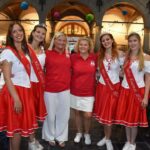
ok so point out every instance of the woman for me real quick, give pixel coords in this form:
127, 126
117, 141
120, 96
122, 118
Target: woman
16, 100
57, 91
107, 90
36, 45
83, 79
131, 110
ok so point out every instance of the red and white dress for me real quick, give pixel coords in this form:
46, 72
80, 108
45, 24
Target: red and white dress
107, 91
24, 122
37, 87
83, 80
129, 111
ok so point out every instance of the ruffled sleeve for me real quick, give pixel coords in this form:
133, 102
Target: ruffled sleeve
147, 66
7, 55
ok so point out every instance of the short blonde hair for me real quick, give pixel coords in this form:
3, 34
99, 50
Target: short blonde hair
57, 34
90, 42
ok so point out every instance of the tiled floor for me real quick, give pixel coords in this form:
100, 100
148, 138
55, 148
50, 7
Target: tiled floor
118, 138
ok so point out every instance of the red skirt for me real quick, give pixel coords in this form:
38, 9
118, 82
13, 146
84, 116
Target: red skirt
39, 103
105, 104
129, 111
12, 122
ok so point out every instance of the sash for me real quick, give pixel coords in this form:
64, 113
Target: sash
108, 82
37, 67
23, 60
131, 81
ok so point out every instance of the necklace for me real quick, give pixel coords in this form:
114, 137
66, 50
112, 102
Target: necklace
108, 58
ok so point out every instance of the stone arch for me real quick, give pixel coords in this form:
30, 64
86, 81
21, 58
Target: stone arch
136, 5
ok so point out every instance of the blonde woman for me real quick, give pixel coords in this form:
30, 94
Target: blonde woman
131, 111
83, 79
57, 91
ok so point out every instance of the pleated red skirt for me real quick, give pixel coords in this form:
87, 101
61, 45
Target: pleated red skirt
39, 103
12, 122
105, 104
129, 110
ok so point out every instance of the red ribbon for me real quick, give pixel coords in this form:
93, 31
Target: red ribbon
108, 81
21, 56
37, 67
131, 81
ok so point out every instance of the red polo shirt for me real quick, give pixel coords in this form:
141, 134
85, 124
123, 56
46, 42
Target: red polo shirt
83, 78
58, 71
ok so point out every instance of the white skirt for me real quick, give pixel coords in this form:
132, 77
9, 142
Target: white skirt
82, 103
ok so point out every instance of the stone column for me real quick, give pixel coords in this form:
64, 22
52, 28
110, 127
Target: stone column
146, 43
97, 35
52, 23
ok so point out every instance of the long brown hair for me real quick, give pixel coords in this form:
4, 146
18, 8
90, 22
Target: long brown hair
103, 50
10, 41
30, 39
140, 54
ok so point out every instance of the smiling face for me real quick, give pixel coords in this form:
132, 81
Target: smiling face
106, 41
84, 47
134, 43
39, 34
17, 34
60, 43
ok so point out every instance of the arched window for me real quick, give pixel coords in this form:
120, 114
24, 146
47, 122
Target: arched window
73, 29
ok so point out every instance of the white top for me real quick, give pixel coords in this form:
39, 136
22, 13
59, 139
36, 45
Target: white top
41, 58
114, 70
2, 82
138, 75
19, 74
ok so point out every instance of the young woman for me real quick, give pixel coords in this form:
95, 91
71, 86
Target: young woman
37, 53
107, 91
131, 110
16, 100
57, 91
83, 79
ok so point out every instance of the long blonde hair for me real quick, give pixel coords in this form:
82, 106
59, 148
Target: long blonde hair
90, 42
140, 54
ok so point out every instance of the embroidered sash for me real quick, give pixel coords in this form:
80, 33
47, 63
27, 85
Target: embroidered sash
23, 60
37, 67
131, 81
108, 81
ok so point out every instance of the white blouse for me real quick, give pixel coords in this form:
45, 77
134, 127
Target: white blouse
138, 75
19, 74
41, 58
2, 82
113, 71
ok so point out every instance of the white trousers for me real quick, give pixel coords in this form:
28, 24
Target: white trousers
55, 126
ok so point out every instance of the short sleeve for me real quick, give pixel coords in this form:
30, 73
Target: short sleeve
147, 66
7, 55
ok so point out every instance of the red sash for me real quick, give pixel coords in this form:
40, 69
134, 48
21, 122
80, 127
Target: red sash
108, 81
37, 67
131, 81
23, 59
